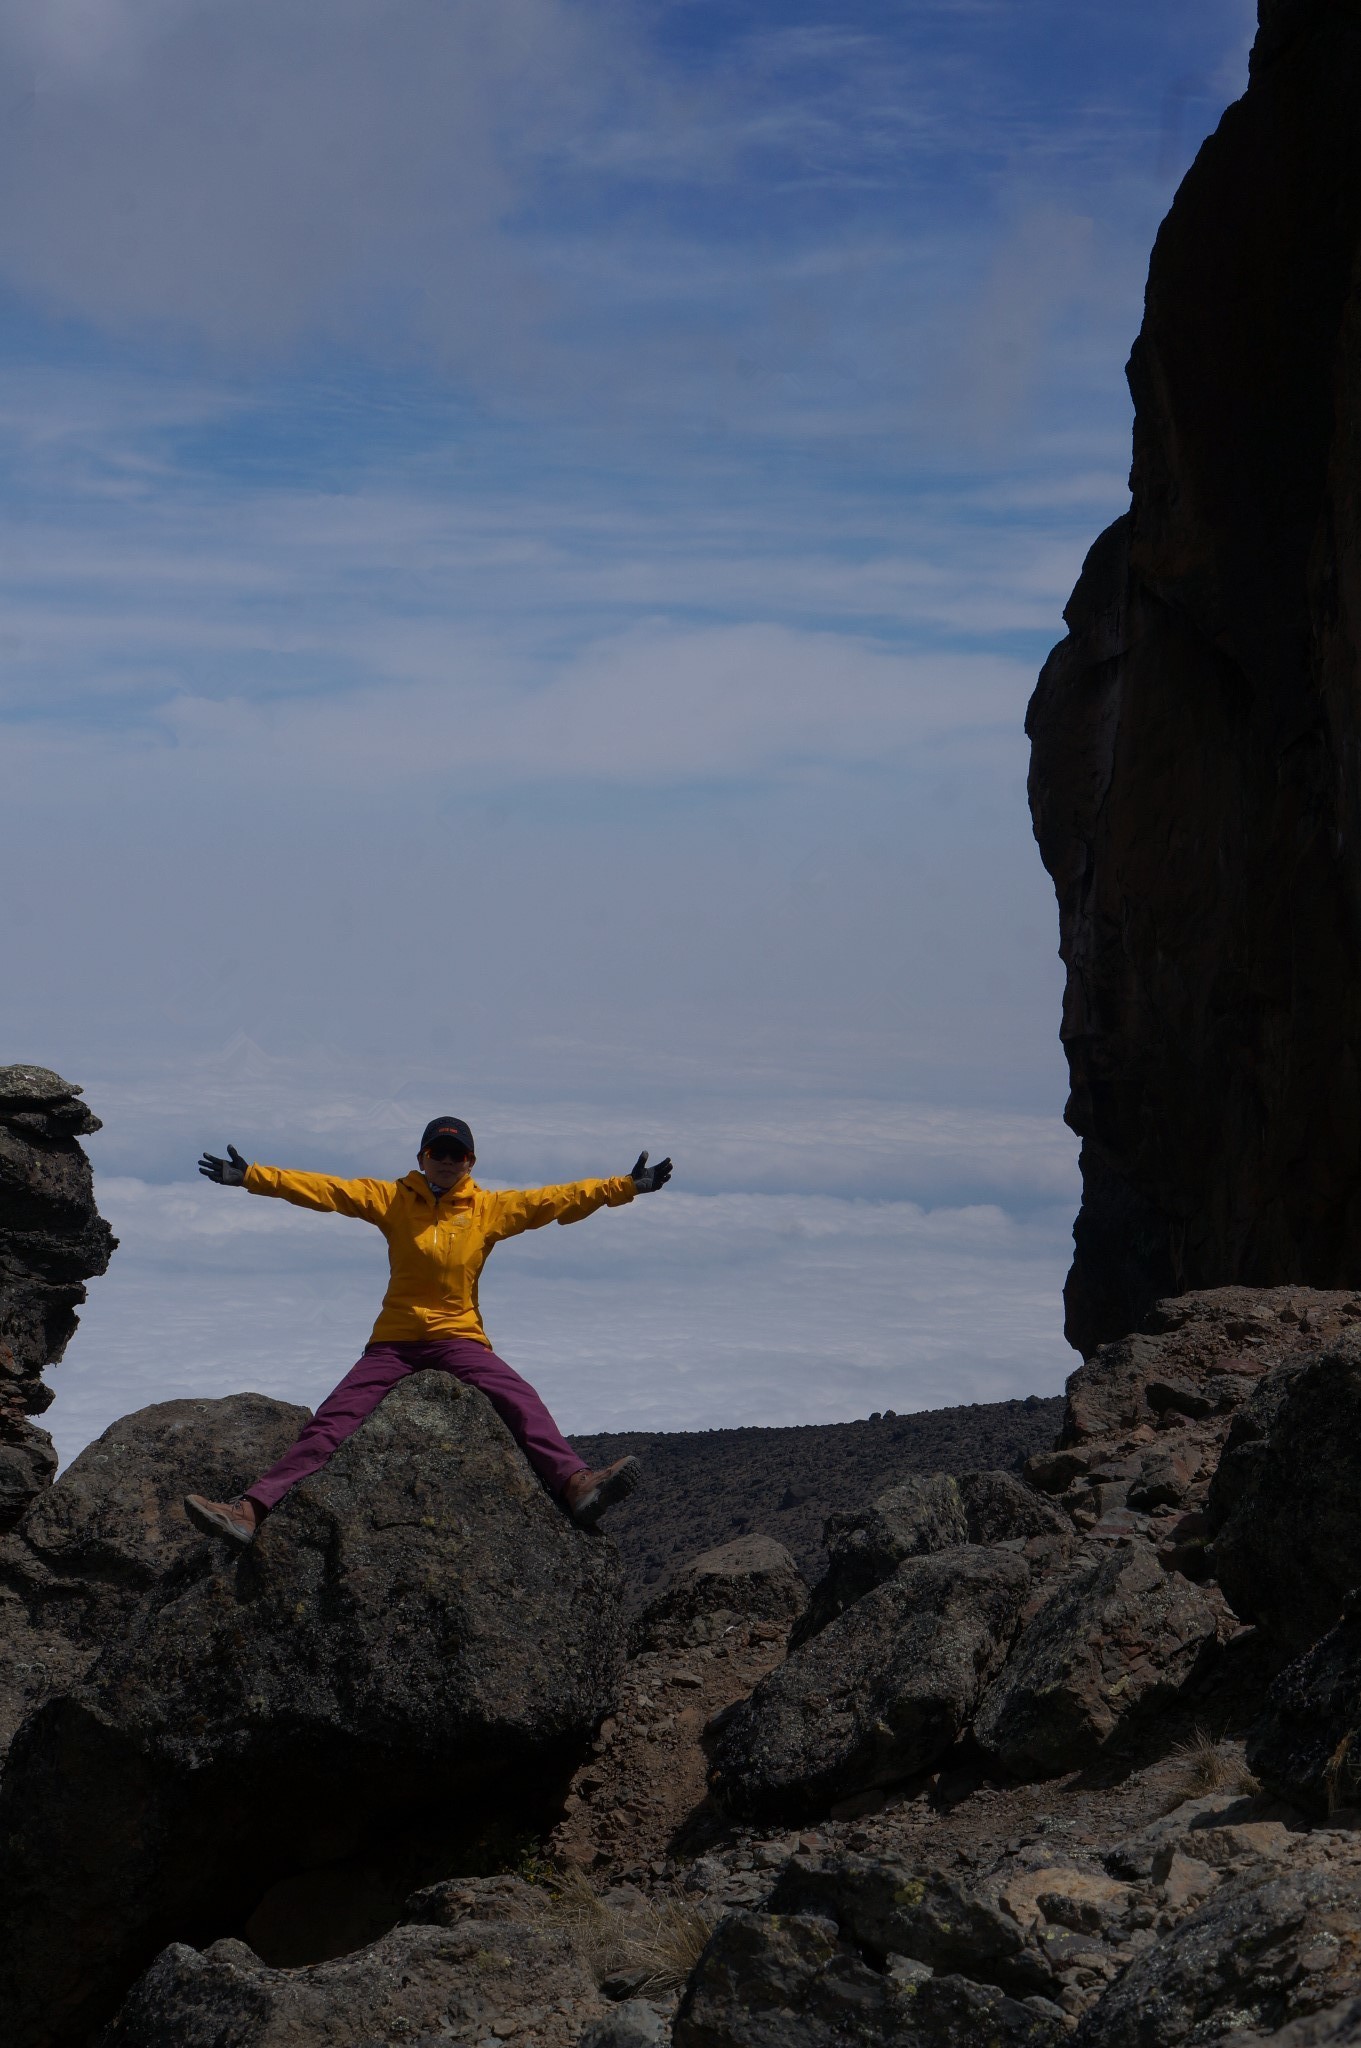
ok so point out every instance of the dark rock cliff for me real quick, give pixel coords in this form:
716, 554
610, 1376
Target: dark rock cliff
1197, 736
52, 1239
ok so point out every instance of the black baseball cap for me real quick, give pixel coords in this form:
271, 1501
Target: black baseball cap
451, 1127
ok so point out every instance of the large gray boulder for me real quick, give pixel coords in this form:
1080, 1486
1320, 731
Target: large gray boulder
91, 1546
1267, 1949
1287, 1499
753, 1578
419, 1643
887, 1906
882, 1692
1113, 1640
462, 1985
915, 1516
788, 1981
923, 1514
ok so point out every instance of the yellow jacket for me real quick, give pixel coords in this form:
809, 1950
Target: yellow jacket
436, 1250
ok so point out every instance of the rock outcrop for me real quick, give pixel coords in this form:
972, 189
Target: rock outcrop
1285, 1505
94, 1544
52, 1240
1193, 778
1306, 1745
753, 1578
413, 1656
881, 1692
1115, 1640
463, 1985
1267, 1949
789, 1981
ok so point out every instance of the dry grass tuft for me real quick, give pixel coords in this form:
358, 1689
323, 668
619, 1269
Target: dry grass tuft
659, 1942
1201, 1764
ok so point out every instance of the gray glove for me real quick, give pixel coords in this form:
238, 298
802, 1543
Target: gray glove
229, 1172
647, 1179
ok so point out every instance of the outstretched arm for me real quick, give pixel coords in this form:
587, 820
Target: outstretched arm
530, 1208
370, 1200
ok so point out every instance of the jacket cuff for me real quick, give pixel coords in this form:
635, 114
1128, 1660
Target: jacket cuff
620, 1190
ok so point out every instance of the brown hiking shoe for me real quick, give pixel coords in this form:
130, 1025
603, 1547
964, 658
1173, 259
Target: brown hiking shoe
587, 1494
237, 1520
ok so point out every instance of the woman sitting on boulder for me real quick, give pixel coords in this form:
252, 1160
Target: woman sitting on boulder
439, 1227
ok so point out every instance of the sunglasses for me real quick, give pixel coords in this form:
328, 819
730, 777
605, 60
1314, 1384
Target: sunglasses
445, 1148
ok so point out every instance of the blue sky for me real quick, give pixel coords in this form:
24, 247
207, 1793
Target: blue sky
526, 536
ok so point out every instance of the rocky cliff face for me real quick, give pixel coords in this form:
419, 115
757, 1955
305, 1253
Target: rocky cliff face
52, 1239
1197, 736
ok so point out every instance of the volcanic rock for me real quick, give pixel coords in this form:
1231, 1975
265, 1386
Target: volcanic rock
52, 1239
461, 1984
753, 1578
1114, 1639
93, 1544
1266, 1949
916, 1516
706, 1486
418, 1642
1193, 784
787, 1981
882, 1692
1288, 1500
885, 1906
1306, 1747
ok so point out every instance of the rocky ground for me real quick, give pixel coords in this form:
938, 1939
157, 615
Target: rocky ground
706, 1486
1060, 1754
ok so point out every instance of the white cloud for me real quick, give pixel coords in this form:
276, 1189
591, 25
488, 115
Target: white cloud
681, 1312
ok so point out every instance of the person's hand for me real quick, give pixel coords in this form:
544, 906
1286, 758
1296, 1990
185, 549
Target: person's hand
229, 1172
647, 1179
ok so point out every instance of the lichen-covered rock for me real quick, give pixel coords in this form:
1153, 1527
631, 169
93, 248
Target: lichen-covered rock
786, 1981
462, 1985
52, 1240
1306, 1744
1113, 1639
1000, 1508
753, 1578
883, 1691
885, 1906
1287, 1546
418, 1642
1199, 1355
1266, 1949
918, 1515
1338, 2027
91, 1546
1193, 783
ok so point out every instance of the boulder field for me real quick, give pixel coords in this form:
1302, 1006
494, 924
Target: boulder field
1045, 1755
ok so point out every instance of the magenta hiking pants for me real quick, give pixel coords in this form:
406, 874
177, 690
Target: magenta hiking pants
378, 1372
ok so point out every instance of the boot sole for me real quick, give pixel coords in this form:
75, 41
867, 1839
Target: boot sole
617, 1487
216, 1525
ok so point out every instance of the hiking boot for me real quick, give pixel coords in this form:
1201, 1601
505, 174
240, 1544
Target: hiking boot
587, 1494
237, 1520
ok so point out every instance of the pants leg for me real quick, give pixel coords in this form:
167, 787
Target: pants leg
517, 1404
339, 1416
